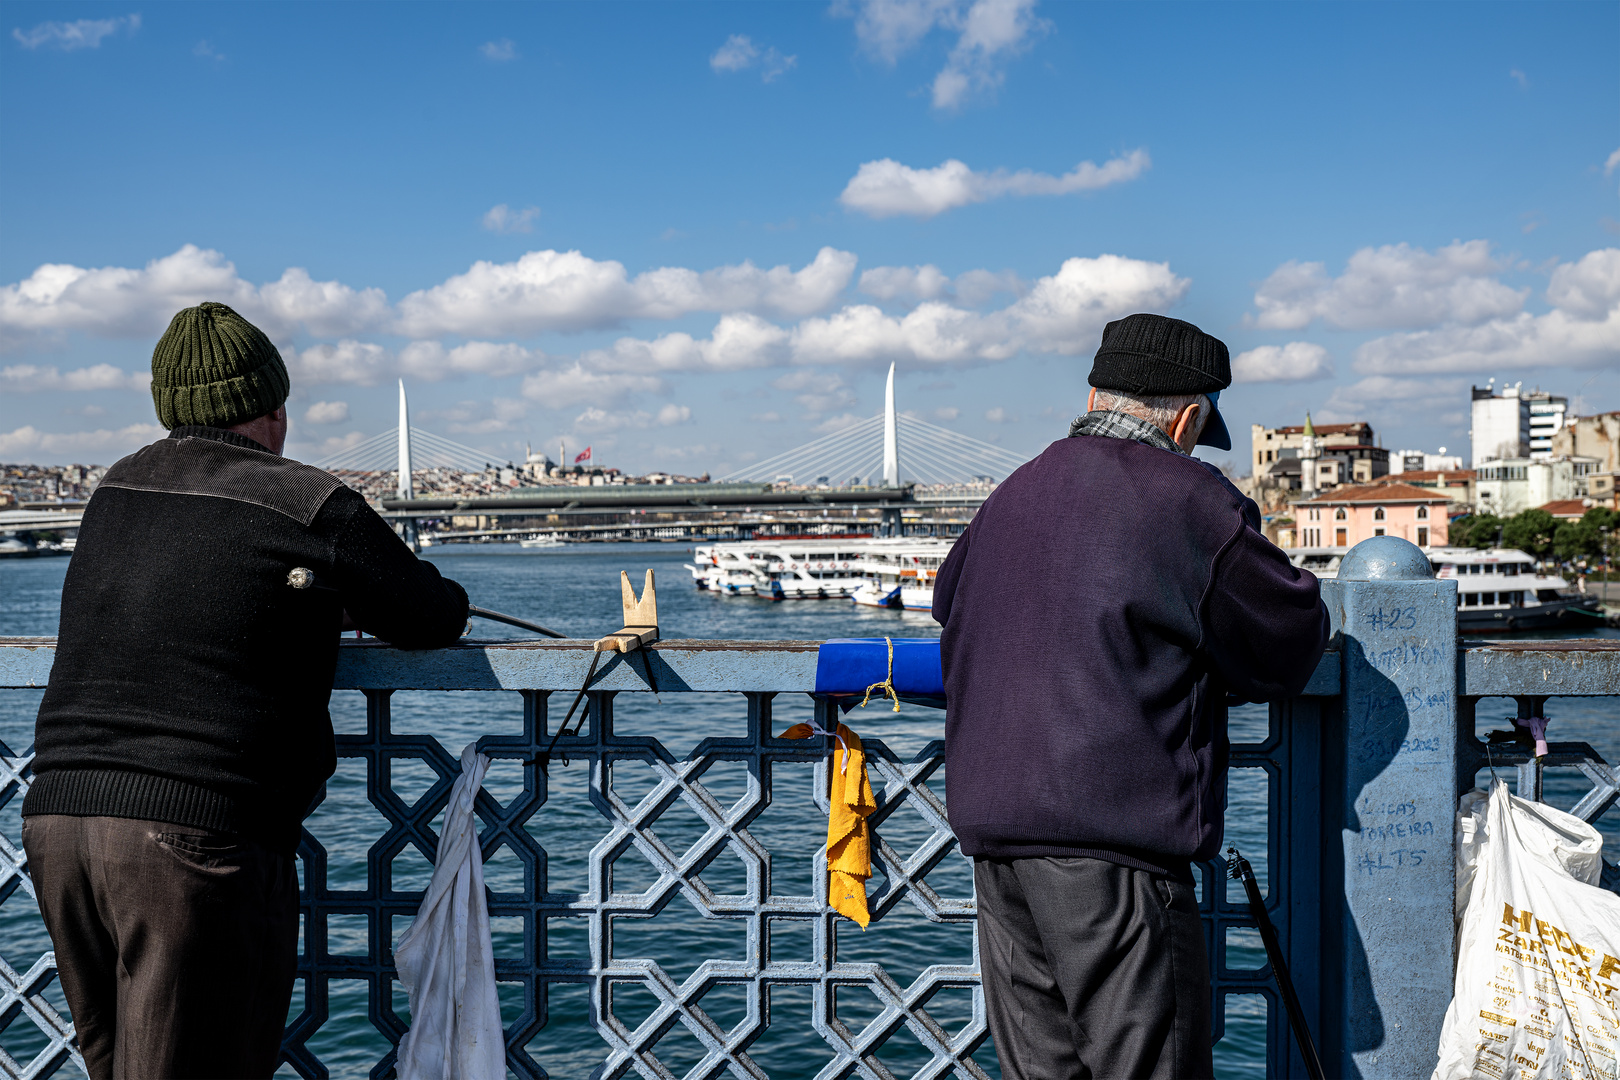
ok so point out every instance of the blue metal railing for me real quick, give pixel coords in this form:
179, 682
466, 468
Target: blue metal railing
1362, 776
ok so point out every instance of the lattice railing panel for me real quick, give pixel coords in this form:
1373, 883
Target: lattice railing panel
675, 874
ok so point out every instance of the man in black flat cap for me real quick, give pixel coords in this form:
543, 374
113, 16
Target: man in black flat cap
1097, 612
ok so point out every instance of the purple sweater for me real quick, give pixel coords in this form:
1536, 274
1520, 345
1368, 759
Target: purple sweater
1101, 605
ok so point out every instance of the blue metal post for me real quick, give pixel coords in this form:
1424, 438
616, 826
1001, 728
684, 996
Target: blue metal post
1391, 795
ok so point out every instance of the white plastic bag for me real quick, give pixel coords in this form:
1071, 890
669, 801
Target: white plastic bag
445, 959
1538, 960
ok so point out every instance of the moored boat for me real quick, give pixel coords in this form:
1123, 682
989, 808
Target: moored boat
1501, 590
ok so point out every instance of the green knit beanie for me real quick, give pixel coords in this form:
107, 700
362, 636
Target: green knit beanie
214, 368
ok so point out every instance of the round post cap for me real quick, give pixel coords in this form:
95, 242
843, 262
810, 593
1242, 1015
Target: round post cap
1385, 558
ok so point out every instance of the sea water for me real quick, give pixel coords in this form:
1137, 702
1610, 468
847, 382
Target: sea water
575, 590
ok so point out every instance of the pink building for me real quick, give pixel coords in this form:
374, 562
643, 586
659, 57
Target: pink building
1344, 517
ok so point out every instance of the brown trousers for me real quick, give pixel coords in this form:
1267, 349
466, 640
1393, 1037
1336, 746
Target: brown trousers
176, 946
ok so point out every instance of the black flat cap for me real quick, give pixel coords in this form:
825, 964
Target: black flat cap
1145, 355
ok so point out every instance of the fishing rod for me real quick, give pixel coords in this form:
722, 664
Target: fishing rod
1240, 870
302, 577
512, 620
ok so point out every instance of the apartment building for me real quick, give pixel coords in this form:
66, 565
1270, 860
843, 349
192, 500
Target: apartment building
1346, 453
1515, 484
1596, 437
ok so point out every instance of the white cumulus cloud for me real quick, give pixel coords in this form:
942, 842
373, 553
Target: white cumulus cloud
739, 53
1395, 286
566, 290
886, 188
595, 421
737, 343
818, 390
1296, 361
26, 378
1061, 313
1433, 403
358, 363
992, 32
561, 387
102, 446
79, 34
327, 412
989, 33
115, 301
1582, 329
499, 51
910, 284
503, 219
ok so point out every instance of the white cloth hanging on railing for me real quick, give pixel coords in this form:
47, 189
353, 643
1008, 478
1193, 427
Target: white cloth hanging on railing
444, 958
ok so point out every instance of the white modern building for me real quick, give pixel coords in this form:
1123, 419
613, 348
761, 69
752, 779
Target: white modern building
1510, 485
1547, 414
1500, 427
1515, 423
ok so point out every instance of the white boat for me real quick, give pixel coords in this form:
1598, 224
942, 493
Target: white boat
549, 540
777, 568
902, 575
1502, 589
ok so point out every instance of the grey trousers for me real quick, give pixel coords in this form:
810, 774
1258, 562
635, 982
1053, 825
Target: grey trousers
1092, 970
176, 946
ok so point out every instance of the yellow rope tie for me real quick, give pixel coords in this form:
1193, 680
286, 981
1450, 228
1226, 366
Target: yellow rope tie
887, 685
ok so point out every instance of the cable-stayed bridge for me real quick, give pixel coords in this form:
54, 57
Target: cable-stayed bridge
380, 453
887, 450
872, 472
924, 453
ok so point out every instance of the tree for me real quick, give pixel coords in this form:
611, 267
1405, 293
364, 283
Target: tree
1531, 531
1585, 537
1572, 541
1476, 531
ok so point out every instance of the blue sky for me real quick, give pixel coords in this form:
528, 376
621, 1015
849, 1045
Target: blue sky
696, 235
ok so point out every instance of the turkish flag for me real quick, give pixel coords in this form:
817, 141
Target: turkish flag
585, 456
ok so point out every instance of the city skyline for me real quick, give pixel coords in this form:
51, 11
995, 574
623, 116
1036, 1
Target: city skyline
696, 237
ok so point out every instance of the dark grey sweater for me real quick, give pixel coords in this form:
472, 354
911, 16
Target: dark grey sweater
191, 680
1097, 611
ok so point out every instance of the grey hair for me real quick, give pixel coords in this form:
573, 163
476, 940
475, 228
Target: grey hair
1160, 410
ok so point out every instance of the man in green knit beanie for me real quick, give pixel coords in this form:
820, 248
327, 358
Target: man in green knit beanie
184, 734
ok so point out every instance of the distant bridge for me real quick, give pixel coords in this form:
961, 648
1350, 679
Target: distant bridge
39, 520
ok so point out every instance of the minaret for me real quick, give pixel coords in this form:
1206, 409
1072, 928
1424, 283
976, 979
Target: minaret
405, 491
1308, 453
891, 443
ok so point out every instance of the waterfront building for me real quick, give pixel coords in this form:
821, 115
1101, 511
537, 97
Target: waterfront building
1512, 485
1457, 485
1345, 454
1597, 437
1344, 518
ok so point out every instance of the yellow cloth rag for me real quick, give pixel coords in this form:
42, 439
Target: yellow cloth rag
849, 840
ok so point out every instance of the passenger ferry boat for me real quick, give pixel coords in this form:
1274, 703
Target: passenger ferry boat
1500, 589
781, 568
895, 573
902, 576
